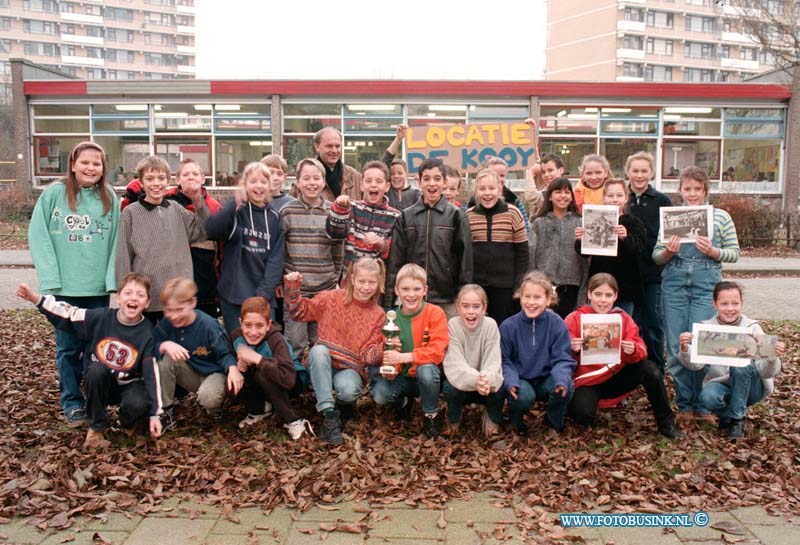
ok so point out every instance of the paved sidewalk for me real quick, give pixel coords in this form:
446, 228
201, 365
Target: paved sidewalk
479, 521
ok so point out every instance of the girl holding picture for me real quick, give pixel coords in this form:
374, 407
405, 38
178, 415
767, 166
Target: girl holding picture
728, 391
604, 385
688, 280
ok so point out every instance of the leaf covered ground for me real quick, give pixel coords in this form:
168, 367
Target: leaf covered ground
620, 464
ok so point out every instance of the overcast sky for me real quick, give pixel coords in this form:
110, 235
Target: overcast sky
412, 39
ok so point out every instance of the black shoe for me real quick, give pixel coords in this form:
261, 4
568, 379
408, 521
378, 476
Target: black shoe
332, 428
406, 412
77, 418
168, 420
522, 430
431, 426
736, 431
670, 430
347, 412
724, 424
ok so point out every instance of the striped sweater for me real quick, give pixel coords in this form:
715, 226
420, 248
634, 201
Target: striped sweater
350, 331
724, 235
309, 249
499, 245
154, 240
354, 222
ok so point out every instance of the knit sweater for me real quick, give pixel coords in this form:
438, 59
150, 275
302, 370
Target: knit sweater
724, 233
767, 369
472, 352
353, 222
309, 249
351, 331
154, 240
552, 249
534, 348
252, 250
424, 334
499, 245
73, 251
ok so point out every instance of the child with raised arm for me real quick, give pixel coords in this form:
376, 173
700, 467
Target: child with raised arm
252, 234
687, 285
728, 391
194, 352
309, 249
72, 238
499, 245
349, 324
119, 365
365, 226
271, 370
537, 359
632, 237
154, 218
605, 384
401, 194
552, 245
472, 364
413, 368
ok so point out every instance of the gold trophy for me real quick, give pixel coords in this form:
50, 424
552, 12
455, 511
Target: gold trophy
390, 330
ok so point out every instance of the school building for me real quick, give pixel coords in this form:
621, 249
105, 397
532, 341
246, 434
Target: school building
736, 131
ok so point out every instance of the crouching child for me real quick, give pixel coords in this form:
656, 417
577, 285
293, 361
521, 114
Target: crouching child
414, 367
270, 369
194, 352
119, 367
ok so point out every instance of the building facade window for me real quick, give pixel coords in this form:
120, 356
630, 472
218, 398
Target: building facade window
658, 46
632, 70
658, 73
634, 14
698, 50
32, 26
38, 48
660, 19
633, 42
46, 6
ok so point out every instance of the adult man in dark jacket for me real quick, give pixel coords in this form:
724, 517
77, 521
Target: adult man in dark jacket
435, 235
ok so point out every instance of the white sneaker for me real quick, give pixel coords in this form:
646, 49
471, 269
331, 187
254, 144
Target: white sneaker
252, 419
267, 408
299, 427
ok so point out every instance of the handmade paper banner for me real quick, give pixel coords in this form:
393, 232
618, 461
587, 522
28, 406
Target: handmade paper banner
466, 147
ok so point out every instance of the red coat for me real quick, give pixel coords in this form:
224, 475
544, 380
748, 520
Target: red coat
590, 375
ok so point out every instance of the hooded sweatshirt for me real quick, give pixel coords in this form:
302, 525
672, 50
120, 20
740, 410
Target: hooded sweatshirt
252, 250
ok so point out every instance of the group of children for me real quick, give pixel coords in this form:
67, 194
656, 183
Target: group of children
474, 291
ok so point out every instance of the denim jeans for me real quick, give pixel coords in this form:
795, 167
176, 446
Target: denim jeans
539, 390
730, 402
426, 385
456, 399
325, 379
69, 356
648, 317
686, 298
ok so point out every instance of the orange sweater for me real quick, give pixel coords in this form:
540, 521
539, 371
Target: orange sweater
426, 338
351, 331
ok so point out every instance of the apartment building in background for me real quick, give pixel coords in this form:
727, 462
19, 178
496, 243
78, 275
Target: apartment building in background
650, 40
100, 39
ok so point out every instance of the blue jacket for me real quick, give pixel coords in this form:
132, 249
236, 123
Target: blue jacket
535, 348
252, 251
207, 343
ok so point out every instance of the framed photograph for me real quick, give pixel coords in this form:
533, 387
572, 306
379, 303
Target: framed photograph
730, 345
688, 222
601, 335
599, 223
